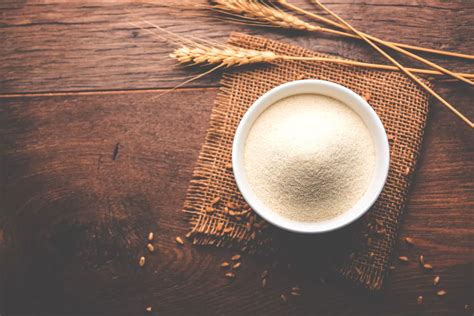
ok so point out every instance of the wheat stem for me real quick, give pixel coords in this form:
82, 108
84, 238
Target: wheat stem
400, 50
234, 56
393, 61
341, 26
373, 66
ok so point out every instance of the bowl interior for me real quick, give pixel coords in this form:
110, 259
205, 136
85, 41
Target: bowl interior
351, 99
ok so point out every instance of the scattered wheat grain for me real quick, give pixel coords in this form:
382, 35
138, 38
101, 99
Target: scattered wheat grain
150, 236
441, 293
407, 171
209, 209
235, 257
215, 200
150, 247
422, 260
232, 205
179, 241
366, 96
428, 266
225, 264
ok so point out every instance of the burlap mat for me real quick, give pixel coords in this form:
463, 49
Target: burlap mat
218, 214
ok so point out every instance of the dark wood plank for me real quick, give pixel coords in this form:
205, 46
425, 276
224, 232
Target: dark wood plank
75, 45
75, 215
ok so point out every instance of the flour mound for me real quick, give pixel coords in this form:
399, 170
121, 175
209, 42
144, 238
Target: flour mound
309, 157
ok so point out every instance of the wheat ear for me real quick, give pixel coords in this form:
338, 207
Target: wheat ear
227, 57
258, 12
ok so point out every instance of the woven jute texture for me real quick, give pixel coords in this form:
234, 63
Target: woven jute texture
219, 216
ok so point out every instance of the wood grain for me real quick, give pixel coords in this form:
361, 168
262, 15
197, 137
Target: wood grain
75, 219
84, 176
76, 45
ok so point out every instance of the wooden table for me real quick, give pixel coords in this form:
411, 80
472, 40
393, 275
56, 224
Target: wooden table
93, 156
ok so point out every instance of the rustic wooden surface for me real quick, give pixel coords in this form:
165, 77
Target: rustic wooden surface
93, 156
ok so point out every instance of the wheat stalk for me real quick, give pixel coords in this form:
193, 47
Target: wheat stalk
396, 63
394, 47
227, 56
231, 56
256, 11
322, 19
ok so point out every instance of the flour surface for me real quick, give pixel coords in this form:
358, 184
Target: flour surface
309, 157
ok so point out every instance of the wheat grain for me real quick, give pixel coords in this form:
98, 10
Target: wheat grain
427, 266
215, 200
230, 275
225, 264
150, 247
236, 257
179, 241
422, 260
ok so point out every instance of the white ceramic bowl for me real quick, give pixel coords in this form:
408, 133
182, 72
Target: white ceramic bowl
351, 99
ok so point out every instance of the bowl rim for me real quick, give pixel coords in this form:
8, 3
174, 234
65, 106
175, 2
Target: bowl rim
350, 98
